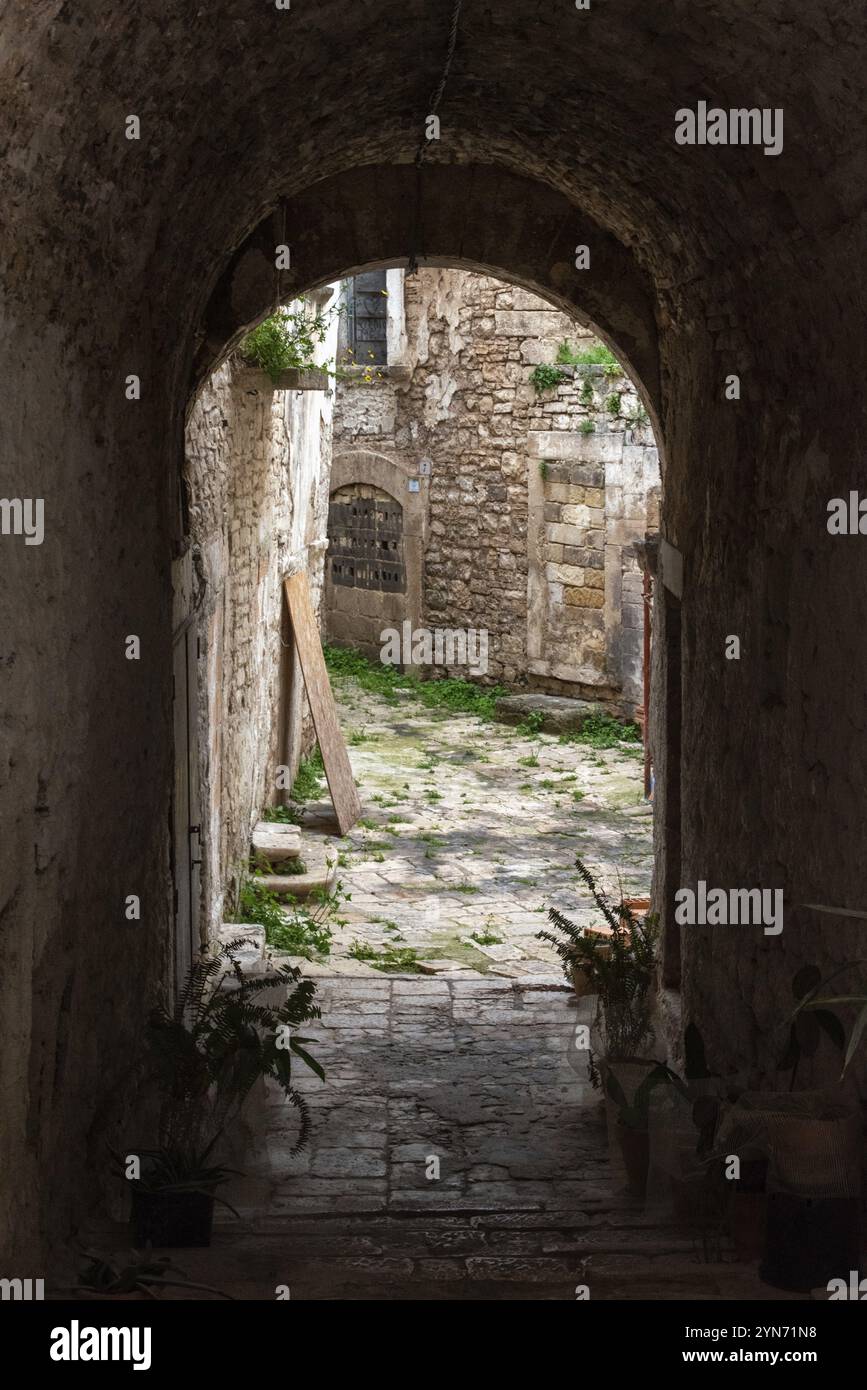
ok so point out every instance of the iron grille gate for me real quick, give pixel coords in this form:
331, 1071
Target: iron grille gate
368, 317
365, 544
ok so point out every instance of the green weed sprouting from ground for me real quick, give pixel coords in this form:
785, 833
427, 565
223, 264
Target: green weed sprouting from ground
290, 867
453, 696
391, 959
532, 761
283, 815
308, 779
299, 928
486, 938
531, 724
603, 731
359, 736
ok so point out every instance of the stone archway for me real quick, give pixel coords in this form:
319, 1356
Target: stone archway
144, 257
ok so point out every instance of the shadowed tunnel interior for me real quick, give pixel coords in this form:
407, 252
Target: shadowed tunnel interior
151, 256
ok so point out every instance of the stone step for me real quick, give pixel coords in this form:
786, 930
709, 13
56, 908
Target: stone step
300, 885
558, 714
250, 956
274, 843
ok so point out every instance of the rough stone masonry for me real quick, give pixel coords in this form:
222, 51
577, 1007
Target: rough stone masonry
151, 256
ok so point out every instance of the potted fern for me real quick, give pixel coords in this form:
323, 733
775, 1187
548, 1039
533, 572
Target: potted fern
620, 969
204, 1057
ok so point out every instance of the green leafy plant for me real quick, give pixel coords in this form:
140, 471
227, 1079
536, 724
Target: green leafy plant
289, 338
390, 960
257, 904
543, 469
204, 1057
486, 938
621, 967
140, 1274
603, 731
545, 377
597, 355
283, 815
445, 693
531, 725
634, 1114
587, 427
308, 779
585, 395
300, 927
812, 1016
613, 403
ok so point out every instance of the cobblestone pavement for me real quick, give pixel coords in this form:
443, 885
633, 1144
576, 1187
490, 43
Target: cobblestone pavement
476, 1075
470, 828
457, 1150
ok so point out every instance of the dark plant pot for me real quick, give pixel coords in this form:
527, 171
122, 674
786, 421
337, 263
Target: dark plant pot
749, 1210
172, 1219
635, 1148
809, 1240
748, 1216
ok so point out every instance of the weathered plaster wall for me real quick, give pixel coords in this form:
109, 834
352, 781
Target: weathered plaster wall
258, 464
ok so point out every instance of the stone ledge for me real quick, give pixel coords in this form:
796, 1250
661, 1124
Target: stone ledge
293, 379
559, 714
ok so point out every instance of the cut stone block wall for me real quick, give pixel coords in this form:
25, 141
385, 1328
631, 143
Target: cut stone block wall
529, 498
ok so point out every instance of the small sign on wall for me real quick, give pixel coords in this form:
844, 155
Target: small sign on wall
425, 467
414, 485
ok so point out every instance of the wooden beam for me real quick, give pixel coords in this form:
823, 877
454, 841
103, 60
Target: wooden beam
338, 771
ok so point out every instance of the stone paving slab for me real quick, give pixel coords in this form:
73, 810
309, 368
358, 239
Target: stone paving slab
524, 1206
470, 830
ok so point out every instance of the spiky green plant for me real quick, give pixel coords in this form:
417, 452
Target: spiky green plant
206, 1054
621, 967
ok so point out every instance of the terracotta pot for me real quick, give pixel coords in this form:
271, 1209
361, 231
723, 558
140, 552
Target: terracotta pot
581, 982
637, 906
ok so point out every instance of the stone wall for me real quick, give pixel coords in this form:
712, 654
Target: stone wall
257, 469
755, 267
530, 499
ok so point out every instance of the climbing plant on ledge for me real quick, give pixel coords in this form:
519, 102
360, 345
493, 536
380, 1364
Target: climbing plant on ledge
288, 339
